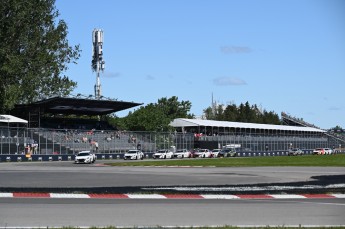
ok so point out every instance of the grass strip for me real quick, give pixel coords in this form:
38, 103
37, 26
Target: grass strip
307, 160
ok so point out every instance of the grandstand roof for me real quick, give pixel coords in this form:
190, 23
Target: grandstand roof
12, 119
67, 105
181, 122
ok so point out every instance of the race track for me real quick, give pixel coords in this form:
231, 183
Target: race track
66, 177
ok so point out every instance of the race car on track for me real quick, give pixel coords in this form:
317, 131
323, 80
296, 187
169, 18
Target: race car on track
133, 154
85, 157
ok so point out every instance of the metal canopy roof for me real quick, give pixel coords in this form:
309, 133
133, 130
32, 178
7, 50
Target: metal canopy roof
11, 119
182, 122
66, 105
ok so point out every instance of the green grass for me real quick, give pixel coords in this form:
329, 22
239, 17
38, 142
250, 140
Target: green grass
308, 160
220, 227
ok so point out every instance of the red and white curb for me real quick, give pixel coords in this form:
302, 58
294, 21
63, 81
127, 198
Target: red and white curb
167, 196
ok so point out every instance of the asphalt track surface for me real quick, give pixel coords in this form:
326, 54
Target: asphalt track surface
131, 213
66, 177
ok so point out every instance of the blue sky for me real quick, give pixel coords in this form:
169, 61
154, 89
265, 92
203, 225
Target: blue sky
286, 55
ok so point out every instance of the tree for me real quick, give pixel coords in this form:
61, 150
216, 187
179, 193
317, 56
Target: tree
231, 113
34, 52
242, 113
154, 116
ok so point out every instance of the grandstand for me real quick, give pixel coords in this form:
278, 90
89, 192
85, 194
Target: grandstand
65, 126
335, 140
258, 137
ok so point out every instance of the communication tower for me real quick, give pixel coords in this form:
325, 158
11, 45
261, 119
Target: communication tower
98, 64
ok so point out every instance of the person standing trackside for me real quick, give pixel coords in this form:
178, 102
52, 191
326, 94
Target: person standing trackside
96, 146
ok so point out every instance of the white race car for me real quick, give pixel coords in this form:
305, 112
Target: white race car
85, 157
133, 154
183, 153
204, 153
163, 154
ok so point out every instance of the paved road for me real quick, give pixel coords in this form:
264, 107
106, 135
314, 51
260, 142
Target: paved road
131, 213
66, 176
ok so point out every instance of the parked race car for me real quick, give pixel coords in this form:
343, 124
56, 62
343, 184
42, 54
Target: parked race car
295, 152
85, 157
133, 154
227, 152
323, 151
183, 153
204, 153
328, 151
163, 154
215, 153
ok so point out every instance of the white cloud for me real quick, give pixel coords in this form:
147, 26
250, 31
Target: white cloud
228, 81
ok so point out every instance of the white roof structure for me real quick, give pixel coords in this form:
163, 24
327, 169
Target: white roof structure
183, 122
11, 119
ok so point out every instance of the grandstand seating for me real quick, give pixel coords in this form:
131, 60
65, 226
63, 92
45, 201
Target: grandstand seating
293, 121
77, 140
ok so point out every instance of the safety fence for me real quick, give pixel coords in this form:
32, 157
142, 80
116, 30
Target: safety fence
63, 141
20, 141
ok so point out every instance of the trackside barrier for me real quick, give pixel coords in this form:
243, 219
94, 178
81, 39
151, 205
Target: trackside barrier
39, 158
69, 158
59, 158
103, 156
8, 159
110, 157
50, 158
118, 156
19, 159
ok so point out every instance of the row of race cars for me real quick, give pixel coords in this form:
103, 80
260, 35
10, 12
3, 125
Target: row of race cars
87, 157
135, 154
182, 153
317, 151
323, 151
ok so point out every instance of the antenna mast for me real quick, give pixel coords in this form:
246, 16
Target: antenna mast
98, 64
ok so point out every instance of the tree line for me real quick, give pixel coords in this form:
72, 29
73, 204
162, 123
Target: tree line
242, 113
157, 116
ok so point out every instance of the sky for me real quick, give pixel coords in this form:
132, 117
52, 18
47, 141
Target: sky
284, 56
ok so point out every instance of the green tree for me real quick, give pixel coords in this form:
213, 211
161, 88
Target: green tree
34, 52
231, 113
172, 108
242, 113
271, 118
154, 116
208, 113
